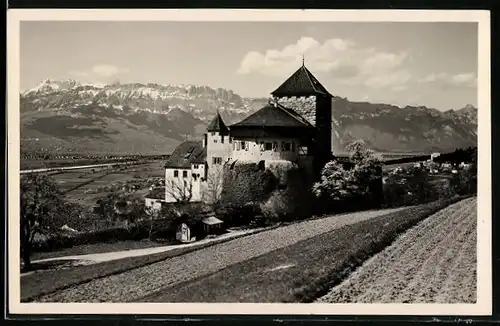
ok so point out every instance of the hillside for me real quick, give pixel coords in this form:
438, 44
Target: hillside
151, 118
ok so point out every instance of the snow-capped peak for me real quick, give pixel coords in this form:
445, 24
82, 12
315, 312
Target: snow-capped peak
50, 85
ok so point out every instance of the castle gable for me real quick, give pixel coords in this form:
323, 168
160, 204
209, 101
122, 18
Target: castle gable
274, 116
301, 83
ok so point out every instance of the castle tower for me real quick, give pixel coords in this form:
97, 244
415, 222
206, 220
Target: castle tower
303, 93
217, 142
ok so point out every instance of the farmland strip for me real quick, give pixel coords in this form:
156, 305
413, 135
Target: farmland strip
144, 280
300, 272
422, 265
422, 268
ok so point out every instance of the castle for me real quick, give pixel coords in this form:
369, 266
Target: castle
296, 126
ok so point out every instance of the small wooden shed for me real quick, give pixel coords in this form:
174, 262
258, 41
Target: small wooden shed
212, 225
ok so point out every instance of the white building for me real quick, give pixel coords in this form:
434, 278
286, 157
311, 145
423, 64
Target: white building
185, 172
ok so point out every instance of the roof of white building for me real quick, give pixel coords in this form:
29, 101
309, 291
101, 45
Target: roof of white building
211, 220
187, 153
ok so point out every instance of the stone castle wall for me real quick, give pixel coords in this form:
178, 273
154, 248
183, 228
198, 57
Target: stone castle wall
303, 105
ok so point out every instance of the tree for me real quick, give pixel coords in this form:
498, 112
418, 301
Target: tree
213, 189
336, 182
180, 190
127, 208
41, 205
356, 181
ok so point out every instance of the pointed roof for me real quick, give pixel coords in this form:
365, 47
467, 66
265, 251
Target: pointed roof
218, 124
274, 115
301, 83
187, 153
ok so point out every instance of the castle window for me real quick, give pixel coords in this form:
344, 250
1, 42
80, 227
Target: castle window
268, 146
184, 174
222, 139
213, 133
244, 146
262, 146
237, 145
195, 166
176, 173
215, 141
286, 146
275, 146
216, 160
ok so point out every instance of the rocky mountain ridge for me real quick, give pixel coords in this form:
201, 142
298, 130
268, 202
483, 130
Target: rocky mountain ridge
66, 115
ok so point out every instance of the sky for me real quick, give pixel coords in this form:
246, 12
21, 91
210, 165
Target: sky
409, 63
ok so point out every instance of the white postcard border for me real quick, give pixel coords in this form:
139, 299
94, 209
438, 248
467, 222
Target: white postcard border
484, 256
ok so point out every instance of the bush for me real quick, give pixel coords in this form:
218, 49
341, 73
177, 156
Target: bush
107, 235
352, 185
245, 182
465, 181
413, 186
245, 185
277, 208
234, 215
293, 201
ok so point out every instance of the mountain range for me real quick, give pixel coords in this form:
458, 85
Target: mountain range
67, 116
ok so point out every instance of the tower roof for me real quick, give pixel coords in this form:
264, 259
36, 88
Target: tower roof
217, 124
301, 83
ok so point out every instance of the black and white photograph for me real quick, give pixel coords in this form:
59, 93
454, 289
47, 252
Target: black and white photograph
314, 159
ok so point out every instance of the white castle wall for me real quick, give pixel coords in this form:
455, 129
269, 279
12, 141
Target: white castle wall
194, 177
217, 146
254, 152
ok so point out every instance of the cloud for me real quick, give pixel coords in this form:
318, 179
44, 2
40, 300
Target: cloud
78, 73
108, 70
462, 80
395, 80
342, 59
100, 71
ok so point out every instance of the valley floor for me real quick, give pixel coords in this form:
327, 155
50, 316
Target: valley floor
433, 262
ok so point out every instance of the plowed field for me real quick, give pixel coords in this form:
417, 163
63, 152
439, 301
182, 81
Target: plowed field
433, 262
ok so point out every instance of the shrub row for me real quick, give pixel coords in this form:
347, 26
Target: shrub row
162, 230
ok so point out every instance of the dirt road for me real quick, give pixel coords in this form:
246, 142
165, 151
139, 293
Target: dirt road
433, 262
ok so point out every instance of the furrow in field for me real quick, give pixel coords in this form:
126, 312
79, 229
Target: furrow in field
420, 265
386, 258
431, 276
461, 282
414, 266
